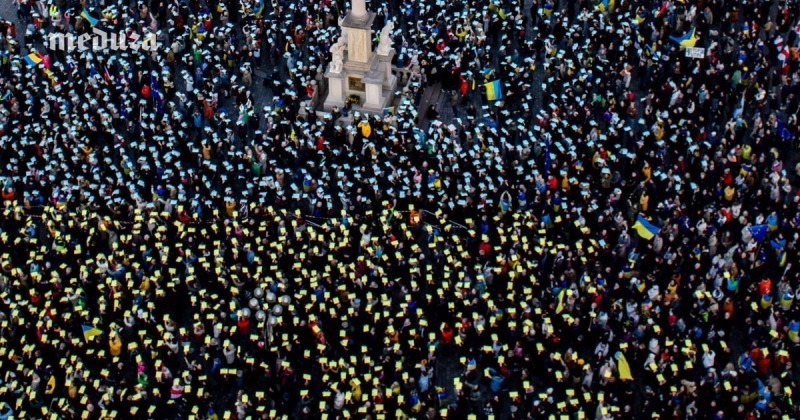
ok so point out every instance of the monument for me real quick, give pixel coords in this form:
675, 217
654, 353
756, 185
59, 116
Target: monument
355, 69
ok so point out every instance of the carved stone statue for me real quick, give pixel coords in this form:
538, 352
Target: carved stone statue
337, 53
385, 45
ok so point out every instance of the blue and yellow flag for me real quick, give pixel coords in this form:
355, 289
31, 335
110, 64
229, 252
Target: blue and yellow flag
260, 8
687, 40
51, 385
641, 17
645, 229
92, 21
51, 77
560, 303
89, 332
607, 5
32, 59
494, 90
623, 367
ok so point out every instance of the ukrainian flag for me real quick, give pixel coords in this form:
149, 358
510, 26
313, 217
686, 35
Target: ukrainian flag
89, 332
766, 301
687, 40
641, 17
794, 331
494, 90
645, 229
560, 303
50, 76
259, 8
92, 21
607, 5
32, 59
623, 367
51, 385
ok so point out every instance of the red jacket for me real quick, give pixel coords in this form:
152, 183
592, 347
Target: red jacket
447, 334
464, 86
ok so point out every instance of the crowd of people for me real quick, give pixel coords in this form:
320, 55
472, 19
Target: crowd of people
611, 232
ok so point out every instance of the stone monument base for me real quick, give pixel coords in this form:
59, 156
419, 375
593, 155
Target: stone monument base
361, 71
374, 92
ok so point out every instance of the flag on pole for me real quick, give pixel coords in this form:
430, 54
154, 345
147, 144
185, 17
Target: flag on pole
779, 43
689, 39
494, 90
623, 367
641, 17
560, 304
547, 155
92, 21
662, 10
607, 5
156, 94
89, 332
51, 385
784, 131
645, 229
51, 77
759, 232
153, 82
159, 100
784, 54
33, 59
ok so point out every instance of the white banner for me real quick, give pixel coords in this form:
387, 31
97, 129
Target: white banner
692, 52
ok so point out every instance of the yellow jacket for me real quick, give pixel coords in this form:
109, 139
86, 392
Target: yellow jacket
115, 344
366, 130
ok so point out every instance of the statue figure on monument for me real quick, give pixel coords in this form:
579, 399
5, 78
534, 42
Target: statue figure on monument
386, 42
337, 53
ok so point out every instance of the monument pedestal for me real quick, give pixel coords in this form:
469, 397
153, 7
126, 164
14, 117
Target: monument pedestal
375, 99
385, 66
363, 73
358, 33
337, 93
